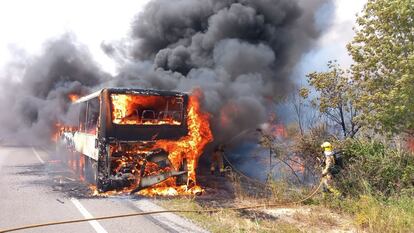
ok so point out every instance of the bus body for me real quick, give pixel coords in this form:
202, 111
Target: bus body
113, 144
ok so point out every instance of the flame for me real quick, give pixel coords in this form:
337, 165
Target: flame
73, 97
130, 110
278, 130
95, 192
164, 190
297, 164
59, 129
227, 113
80, 165
56, 132
189, 147
192, 145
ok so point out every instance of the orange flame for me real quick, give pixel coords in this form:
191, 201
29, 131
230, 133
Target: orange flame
189, 147
56, 132
59, 128
227, 113
125, 110
278, 130
73, 97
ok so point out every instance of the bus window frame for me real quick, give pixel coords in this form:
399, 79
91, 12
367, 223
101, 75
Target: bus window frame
89, 127
182, 112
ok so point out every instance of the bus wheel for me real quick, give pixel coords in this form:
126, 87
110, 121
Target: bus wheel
182, 179
90, 170
102, 185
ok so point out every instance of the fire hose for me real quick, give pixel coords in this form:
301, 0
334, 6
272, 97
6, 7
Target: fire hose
243, 175
160, 212
252, 180
170, 211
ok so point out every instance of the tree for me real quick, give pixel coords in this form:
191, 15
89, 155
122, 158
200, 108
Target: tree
335, 97
382, 50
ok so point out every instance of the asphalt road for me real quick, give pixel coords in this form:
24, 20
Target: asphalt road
35, 188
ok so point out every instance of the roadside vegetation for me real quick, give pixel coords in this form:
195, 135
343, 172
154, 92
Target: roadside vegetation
367, 112
377, 184
368, 109
228, 220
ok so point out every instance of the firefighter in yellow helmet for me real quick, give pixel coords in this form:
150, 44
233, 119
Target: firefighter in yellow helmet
328, 164
217, 160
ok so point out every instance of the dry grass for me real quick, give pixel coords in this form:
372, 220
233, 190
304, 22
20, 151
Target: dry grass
228, 220
317, 219
372, 215
289, 219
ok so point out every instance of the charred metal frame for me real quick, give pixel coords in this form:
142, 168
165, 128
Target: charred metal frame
109, 134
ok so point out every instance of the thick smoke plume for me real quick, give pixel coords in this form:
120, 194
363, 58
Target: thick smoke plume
34, 90
239, 52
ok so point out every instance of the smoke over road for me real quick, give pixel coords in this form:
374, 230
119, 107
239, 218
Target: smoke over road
240, 53
34, 90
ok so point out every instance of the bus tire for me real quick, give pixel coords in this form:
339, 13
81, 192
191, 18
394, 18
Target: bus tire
90, 170
182, 179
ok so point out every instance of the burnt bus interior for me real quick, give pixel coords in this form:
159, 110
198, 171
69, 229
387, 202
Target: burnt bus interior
116, 134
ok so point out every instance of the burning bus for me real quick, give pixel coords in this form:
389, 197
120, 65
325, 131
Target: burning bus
143, 141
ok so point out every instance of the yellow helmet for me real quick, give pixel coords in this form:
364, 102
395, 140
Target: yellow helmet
327, 146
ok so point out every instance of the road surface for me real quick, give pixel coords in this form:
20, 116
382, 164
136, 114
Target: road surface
36, 188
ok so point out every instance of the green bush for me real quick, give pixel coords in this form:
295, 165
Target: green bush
375, 169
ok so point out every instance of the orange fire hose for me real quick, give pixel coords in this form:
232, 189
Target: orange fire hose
170, 211
159, 212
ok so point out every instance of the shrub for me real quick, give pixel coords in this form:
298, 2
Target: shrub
376, 169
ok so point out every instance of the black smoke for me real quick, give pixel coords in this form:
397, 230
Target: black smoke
34, 90
239, 52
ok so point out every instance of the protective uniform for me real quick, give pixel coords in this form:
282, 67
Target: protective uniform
217, 160
329, 163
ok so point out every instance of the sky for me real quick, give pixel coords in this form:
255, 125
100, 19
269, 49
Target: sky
341, 32
332, 44
26, 25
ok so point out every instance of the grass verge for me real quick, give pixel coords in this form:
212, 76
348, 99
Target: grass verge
228, 220
373, 215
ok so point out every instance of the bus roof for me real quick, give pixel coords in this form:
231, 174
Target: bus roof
129, 91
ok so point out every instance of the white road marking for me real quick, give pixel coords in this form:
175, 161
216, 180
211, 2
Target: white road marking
37, 155
95, 224
171, 220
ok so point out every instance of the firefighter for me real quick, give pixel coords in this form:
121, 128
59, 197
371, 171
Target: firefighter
328, 165
217, 160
